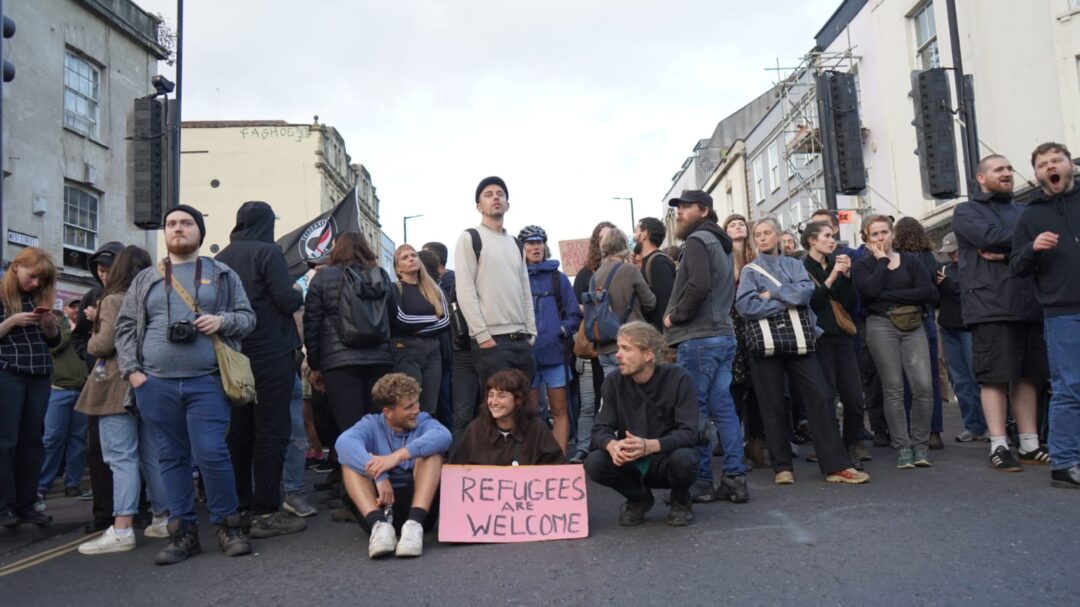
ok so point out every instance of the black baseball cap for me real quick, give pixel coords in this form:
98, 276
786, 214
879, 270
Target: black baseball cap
692, 197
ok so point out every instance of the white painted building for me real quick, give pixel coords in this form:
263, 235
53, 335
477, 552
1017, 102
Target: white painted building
80, 65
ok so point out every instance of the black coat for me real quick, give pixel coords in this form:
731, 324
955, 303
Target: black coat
950, 308
324, 348
261, 266
990, 292
1056, 271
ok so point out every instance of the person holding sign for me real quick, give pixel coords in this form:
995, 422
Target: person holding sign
646, 429
391, 465
508, 431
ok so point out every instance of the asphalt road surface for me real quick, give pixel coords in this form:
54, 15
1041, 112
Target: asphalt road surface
957, 533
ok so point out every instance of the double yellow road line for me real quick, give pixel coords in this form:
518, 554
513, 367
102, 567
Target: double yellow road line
45, 556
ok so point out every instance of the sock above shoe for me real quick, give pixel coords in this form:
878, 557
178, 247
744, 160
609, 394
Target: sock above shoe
998, 441
1029, 442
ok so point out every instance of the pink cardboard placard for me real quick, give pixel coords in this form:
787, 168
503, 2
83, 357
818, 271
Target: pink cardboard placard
496, 504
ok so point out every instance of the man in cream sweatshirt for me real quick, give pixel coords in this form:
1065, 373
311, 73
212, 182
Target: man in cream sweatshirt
493, 289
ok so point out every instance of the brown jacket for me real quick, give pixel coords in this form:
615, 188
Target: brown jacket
626, 282
105, 397
530, 445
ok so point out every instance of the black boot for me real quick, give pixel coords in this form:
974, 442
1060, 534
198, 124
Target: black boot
183, 542
231, 537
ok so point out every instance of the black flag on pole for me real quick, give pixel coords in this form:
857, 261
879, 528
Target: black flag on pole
311, 242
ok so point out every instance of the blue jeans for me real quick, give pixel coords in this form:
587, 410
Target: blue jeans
708, 360
189, 418
936, 419
1062, 344
63, 426
957, 346
292, 473
128, 446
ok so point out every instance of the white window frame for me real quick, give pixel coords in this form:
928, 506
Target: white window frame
927, 53
774, 169
82, 217
759, 180
82, 94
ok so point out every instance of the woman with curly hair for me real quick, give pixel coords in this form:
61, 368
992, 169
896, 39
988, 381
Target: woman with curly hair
742, 387
911, 238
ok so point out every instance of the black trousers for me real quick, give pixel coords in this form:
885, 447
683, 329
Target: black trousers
507, 354
402, 504
259, 434
100, 473
465, 390
873, 396
676, 470
348, 392
838, 362
809, 386
747, 409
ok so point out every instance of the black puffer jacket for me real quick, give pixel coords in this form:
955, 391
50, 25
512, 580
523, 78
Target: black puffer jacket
989, 291
324, 348
261, 266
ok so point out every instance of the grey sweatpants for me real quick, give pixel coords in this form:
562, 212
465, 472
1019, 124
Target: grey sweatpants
898, 355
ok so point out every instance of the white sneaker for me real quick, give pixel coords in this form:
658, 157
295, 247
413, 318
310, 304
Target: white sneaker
412, 539
382, 540
108, 542
158, 528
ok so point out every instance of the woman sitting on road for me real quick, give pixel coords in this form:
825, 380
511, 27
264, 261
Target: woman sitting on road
768, 287
508, 432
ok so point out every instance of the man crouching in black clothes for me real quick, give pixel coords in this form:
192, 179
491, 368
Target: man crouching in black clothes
646, 429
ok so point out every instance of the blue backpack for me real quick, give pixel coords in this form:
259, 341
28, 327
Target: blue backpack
601, 322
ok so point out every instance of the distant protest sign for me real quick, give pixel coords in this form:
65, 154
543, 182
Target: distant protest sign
496, 504
572, 255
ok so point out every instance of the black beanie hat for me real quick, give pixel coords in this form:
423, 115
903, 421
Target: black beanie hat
195, 214
486, 181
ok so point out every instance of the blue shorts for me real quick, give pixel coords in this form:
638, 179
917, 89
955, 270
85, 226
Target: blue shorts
552, 376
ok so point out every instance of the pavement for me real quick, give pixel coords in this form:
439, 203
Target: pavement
956, 533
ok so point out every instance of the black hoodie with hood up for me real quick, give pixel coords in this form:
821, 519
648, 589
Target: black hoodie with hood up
261, 266
1057, 270
80, 335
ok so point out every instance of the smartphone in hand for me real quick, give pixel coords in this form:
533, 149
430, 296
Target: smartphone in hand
41, 310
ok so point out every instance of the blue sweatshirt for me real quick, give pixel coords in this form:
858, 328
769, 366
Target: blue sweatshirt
795, 290
372, 436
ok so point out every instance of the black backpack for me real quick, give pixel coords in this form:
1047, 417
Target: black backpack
459, 329
363, 307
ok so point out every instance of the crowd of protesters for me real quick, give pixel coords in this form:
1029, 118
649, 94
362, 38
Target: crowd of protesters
736, 344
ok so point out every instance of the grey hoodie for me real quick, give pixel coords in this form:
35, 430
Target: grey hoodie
239, 319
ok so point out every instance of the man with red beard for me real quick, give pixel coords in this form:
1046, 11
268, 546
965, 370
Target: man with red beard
1046, 245
166, 351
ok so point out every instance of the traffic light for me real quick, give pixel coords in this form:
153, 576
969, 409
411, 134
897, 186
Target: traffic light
9, 67
848, 167
934, 133
149, 155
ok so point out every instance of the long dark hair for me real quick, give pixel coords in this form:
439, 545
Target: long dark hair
350, 248
593, 259
910, 236
517, 383
126, 266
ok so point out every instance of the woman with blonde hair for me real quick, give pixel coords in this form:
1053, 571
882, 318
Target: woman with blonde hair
27, 330
418, 316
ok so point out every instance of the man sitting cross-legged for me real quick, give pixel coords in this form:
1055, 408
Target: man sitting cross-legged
646, 428
391, 462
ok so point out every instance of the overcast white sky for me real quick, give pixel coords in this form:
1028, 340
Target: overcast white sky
571, 102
